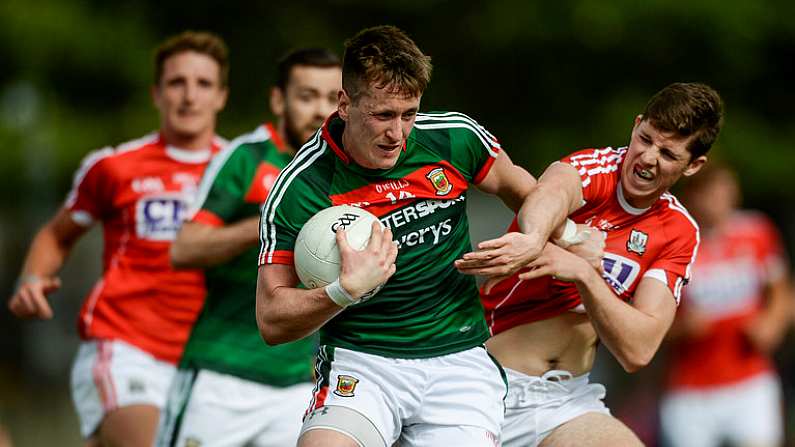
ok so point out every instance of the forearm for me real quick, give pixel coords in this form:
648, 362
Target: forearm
48, 252
632, 336
779, 309
199, 245
543, 211
286, 313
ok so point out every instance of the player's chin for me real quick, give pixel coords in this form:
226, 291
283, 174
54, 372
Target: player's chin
189, 128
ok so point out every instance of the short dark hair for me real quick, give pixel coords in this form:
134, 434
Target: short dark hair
310, 57
687, 109
199, 41
384, 56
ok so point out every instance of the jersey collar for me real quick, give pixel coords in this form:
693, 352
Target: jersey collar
625, 205
326, 133
276, 138
191, 156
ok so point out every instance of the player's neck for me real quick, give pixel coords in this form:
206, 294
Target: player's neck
196, 142
281, 139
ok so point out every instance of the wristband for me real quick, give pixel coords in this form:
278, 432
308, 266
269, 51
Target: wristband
570, 235
27, 279
339, 295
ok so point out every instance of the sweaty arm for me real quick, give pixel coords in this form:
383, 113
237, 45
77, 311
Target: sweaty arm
46, 255
632, 333
286, 313
202, 245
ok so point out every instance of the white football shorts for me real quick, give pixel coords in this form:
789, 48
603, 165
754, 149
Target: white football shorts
208, 408
745, 413
535, 406
109, 374
454, 399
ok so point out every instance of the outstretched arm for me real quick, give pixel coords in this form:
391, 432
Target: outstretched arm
200, 245
46, 255
542, 214
286, 313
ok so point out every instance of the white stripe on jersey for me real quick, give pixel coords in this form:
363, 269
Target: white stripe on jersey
447, 121
607, 160
259, 134
455, 115
678, 289
599, 152
304, 159
490, 149
504, 300
96, 156
673, 203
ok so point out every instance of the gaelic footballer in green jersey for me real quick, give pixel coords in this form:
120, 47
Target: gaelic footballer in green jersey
225, 337
232, 388
427, 308
225, 351
408, 363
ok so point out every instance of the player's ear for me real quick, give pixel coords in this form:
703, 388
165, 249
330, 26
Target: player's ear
154, 93
277, 102
220, 100
638, 119
344, 104
695, 165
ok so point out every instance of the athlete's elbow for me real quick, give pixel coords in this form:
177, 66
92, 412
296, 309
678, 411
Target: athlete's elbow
272, 335
634, 362
270, 331
182, 256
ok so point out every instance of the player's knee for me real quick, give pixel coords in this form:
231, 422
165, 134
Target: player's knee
336, 426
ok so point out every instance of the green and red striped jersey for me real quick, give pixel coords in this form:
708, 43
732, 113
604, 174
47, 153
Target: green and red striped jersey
427, 308
225, 338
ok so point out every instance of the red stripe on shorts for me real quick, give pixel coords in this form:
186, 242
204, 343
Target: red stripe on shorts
102, 376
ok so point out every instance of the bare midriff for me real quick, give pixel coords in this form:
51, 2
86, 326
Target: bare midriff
566, 342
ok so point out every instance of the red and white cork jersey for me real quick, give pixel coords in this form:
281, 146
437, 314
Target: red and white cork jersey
658, 242
140, 192
735, 265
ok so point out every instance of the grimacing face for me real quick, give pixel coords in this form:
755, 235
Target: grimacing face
189, 96
655, 161
377, 125
309, 97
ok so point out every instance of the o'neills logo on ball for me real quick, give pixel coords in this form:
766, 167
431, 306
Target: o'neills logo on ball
343, 221
439, 181
346, 385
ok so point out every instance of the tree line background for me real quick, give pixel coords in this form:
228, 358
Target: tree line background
545, 77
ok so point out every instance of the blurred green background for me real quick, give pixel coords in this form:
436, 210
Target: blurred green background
545, 77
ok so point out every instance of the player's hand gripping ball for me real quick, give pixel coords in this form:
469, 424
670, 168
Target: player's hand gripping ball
317, 258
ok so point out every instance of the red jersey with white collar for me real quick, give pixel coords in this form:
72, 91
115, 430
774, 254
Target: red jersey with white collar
658, 242
735, 264
140, 192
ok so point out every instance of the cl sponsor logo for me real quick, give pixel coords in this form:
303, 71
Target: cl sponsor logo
619, 272
158, 218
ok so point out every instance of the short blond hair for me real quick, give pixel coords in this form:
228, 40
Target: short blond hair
199, 41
